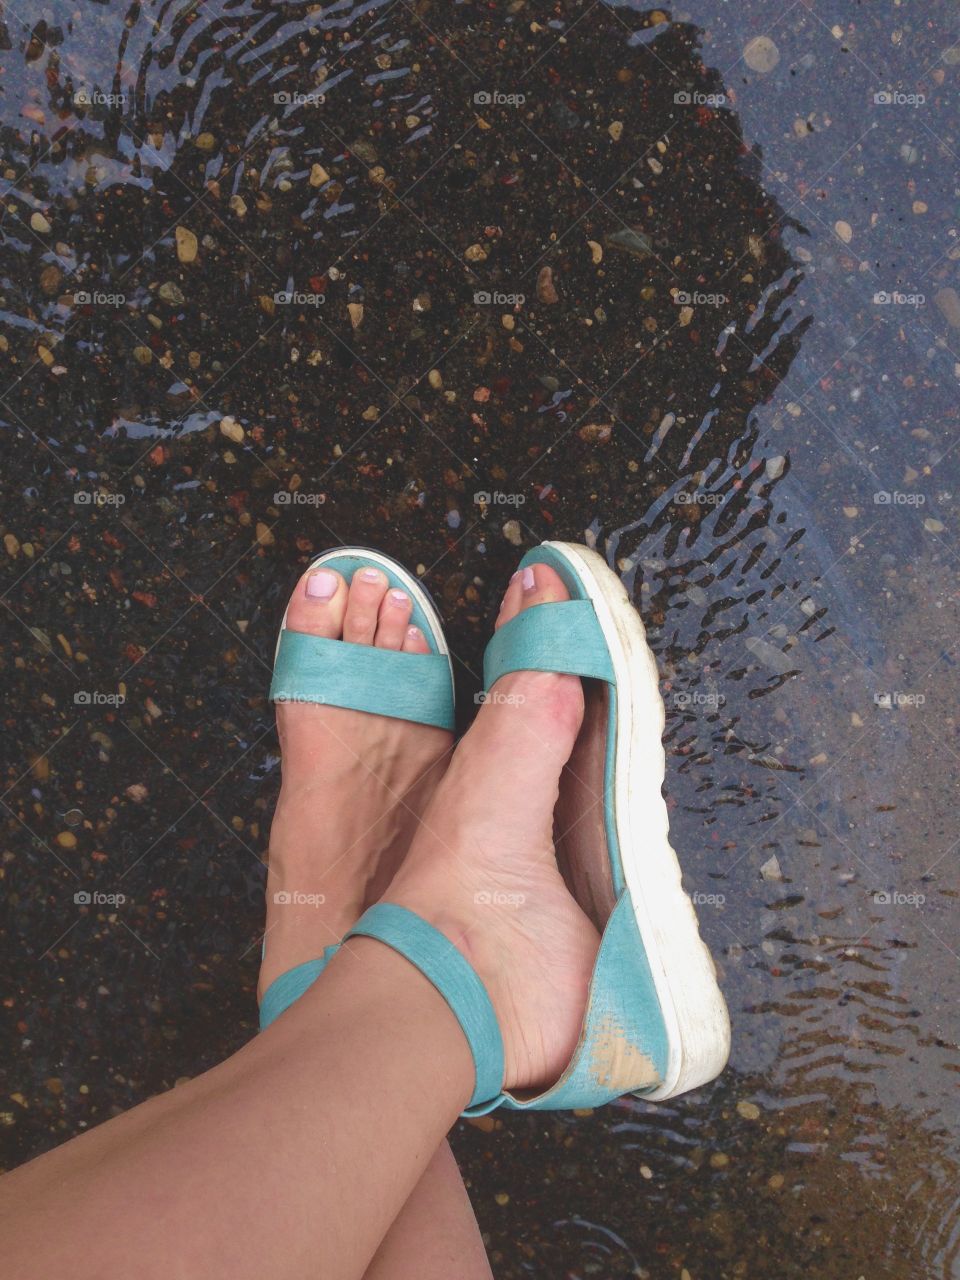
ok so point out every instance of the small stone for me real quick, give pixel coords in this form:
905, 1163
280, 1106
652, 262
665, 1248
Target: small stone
232, 429
264, 534
187, 245
206, 141
171, 293
615, 130
67, 840
239, 206
855, 720
596, 432
371, 413
820, 758
771, 869
502, 1198
318, 175
513, 533
654, 165
509, 322
775, 1181
719, 1160
596, 251
476, 253
843, 230
646, 1172
761, 54
142, 355
137, 792
435, 378
355, 311
12, 544
774, 467
685, 316
851, 512
749, 1110
932, 525
546, 289
39, 223
50, 280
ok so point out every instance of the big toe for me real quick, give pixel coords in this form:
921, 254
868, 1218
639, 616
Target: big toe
318, 604
534, 584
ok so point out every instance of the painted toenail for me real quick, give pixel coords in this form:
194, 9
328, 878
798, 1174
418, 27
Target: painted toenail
322, 585
398, 597
414, 633
370, 575
529, 578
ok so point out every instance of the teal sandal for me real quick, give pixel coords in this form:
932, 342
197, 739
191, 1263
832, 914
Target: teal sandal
405, 686
655, 1024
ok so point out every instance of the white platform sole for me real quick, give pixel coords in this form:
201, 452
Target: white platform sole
693, 1007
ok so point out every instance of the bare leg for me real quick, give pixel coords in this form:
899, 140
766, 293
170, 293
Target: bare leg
295, 1156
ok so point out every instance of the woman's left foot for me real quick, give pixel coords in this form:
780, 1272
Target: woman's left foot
354, 784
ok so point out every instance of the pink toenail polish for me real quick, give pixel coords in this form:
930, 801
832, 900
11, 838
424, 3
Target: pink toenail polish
370, 575
398, 597
528, 578
322, 585
414, 633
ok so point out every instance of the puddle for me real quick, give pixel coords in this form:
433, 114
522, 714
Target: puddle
450, 281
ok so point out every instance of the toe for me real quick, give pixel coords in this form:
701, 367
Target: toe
414, 641
534, 584
393, 619
318, 603
367, 589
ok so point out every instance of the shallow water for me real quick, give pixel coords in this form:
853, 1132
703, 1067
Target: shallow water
702, 379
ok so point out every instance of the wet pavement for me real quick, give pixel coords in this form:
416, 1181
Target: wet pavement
448, 280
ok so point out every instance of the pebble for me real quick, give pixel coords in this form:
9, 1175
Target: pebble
775, 1181
239, 206
513, 533
749, 1110
596, 251
435, 378
39, 223
761, 54
171, 293
475, 253
232, 429
843, 230
508, 322
187, 245
355, 311
615, 130
932, 525
12, 545
771, 869
774, 467
947, 302
719, 1160
502, 1198
264, 534
318, 175
546, 289
67, 840
206, 141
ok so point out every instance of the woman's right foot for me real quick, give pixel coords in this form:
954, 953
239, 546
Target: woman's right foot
482, 868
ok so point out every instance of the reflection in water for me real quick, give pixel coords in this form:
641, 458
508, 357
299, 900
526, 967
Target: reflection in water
278, 277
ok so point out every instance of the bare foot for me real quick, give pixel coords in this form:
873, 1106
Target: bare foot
354, 784
482, 867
